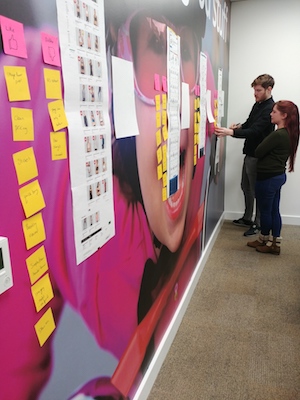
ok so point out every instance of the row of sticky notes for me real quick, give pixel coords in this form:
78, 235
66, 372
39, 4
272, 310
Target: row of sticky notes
160, 83
18, 88
42, 292
196, 123
14, 43
31, 195
161, 138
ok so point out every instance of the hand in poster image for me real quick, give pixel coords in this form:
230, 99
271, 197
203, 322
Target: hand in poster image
115, 288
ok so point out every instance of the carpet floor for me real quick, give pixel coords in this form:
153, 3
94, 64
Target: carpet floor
240, 336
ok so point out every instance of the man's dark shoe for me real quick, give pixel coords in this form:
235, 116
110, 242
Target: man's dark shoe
242, 222
253, 230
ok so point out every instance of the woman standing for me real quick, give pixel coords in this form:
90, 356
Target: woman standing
273, 153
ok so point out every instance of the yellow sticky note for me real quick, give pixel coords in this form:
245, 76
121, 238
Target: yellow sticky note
195, 160
45, 326
42, 292
158, 137
159, 155
157, 102
52, 83
158, 119
17, 83
165, 179
22, 124
32, 198
195, 104
37, 264
159, 172
165, 132
164, 194
57, 115
195, 150
34, 230
58, 145
164, 117
164, 161
25, 165
164, 101
195, 138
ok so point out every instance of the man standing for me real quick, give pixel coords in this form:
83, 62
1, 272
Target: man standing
254, 130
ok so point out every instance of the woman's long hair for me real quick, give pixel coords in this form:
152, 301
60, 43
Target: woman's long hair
292, 126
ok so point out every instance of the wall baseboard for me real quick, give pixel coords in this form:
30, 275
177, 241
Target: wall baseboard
286, 219
163, 348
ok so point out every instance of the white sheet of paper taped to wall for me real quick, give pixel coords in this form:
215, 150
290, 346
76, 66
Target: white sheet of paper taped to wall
185, 105
124, 98
210, 115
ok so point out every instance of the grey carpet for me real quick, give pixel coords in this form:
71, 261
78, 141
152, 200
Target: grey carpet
240, 336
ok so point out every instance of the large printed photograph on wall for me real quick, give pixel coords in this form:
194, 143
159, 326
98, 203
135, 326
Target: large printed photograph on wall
143, 84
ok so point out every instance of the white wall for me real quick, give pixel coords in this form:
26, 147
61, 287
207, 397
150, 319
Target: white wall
264, 38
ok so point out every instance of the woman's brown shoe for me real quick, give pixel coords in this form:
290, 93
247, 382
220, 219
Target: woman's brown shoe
269, 249
256, 244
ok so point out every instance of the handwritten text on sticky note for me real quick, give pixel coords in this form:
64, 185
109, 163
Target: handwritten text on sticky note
32, 198
13, 37
52, 83
16, 83
34, 230
22, 124
45, 326
57, 115
58, 145
25, 165
42, 292
37, 264
50, 49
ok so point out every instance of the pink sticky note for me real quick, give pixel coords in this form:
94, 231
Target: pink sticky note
157, 82
50, 49
164, 83
13, 37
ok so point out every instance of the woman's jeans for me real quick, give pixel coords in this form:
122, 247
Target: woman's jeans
267, 194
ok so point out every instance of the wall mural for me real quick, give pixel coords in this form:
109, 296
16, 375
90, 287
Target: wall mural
112, 179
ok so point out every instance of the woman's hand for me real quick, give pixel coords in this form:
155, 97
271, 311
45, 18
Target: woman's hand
220, 131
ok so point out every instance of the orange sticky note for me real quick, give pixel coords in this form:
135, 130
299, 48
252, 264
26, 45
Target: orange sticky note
42, 292
159, 172
25, 165
165, 179
16, 83
165, 133
57, 115
158, 119
45, 326
37, 264
34, 230
159, 155
158, 137
52, 83
32, 198
13, 37
50, 48
157, 102
22, 124
164, 194
164, 101
164, 117
58, 145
